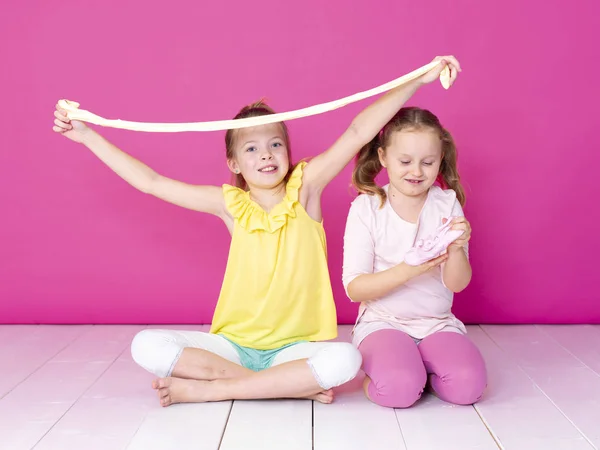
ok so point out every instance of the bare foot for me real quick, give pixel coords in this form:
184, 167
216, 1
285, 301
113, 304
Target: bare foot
173, 390
323, 397
179, 390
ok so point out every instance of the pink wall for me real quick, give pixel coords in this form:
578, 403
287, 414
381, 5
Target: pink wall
79, 245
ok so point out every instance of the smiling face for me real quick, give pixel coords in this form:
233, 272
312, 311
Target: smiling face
261, 155
416, 150
412, 159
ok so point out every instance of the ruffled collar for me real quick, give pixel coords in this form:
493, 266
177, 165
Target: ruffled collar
252, 217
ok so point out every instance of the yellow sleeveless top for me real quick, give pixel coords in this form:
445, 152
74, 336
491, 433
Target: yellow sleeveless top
276, 288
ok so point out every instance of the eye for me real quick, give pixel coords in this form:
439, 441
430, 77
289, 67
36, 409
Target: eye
405, 162
428, 163
277, 144
251, 149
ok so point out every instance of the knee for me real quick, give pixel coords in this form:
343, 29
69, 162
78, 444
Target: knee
156, 351
465, 385
335, 364
396, 388
143, 346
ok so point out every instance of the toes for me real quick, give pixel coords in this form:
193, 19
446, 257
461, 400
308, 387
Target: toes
160, 383
328, 395
164, 392
323, 399
165, 401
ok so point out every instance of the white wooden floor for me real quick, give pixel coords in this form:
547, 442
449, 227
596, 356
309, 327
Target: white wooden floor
76, 387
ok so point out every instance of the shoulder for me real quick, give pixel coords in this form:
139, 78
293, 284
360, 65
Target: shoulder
444, 201
364, 207
443, 195
368, 203
299, 168
295, 180
235, 199
367, 210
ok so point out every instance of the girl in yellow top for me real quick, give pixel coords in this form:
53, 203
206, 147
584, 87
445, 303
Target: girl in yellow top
276, 304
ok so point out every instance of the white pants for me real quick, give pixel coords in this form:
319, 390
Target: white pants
157, 351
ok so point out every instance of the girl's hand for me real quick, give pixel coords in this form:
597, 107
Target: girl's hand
74, 130
434, 73
416, 271
460, 223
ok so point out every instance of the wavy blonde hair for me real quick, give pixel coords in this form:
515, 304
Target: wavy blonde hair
368, 165
259, 108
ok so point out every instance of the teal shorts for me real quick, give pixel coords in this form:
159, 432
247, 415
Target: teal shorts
254, 359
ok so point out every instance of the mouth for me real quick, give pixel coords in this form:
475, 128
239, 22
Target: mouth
414, 181
268, 169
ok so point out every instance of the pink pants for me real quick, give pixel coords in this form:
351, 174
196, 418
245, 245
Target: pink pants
398, 368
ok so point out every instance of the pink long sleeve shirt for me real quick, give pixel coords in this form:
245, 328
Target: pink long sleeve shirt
377, 239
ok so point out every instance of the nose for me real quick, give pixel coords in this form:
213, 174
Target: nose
417, 171
267, 155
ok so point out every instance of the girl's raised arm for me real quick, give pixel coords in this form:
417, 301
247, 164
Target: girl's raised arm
365, 126
207, 199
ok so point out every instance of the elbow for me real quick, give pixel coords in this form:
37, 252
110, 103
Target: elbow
354, 294
457, 286
456, 290
148, 185
359, 133
350, 292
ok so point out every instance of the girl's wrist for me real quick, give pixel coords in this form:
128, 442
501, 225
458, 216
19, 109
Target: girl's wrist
454, 249
88, 136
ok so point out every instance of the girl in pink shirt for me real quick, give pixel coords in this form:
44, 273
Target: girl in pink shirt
405, 329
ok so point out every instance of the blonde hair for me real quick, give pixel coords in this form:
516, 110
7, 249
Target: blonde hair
368, 165
259, 108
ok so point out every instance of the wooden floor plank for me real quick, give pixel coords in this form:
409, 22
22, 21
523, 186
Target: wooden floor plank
570, 384
543, 393
110, 411
182, 427
352, 422
35, 405
582, 341
269, 425
518, 413
432, 423
26, 348
186, 426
